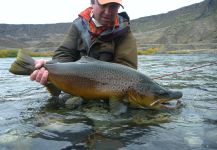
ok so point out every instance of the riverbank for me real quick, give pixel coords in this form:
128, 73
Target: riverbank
7, 53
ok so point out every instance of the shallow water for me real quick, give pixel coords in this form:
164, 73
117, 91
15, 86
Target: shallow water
29, 120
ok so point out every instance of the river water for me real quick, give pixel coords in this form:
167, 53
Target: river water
30, 120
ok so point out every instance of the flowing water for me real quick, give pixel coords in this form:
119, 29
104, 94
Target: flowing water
30, 120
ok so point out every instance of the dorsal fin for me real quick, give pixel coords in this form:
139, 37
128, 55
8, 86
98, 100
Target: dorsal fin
86, 59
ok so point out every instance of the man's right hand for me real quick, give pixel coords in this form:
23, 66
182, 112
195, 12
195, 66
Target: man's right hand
41, 74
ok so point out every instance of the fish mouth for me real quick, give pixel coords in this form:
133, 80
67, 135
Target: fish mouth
165, 105
163, 101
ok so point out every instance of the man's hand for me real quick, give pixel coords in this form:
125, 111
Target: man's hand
41, 74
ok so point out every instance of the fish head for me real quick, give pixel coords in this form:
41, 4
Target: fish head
154, 96
161, 98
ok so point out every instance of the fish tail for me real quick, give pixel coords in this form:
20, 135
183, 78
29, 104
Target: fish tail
23, 65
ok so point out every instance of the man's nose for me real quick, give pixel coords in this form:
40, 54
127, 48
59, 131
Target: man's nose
108, 10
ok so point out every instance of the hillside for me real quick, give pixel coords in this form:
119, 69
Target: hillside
34, 36
193, 27
189, 28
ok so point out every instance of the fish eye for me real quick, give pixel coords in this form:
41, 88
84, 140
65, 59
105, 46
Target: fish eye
162, 92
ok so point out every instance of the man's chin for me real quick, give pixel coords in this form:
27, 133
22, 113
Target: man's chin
107, 23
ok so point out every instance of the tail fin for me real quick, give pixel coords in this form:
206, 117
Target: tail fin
23, 65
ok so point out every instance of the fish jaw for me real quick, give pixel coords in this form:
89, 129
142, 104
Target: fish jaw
154, 101
141, 100
161, 101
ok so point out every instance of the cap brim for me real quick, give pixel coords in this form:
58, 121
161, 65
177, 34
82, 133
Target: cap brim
103, 2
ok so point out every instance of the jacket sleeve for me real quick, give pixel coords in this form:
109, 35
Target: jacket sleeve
126, 50
67, 51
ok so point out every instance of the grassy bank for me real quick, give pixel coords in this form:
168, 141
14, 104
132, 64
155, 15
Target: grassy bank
13, 53
149, 51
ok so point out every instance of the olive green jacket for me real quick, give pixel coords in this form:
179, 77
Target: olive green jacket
117, 45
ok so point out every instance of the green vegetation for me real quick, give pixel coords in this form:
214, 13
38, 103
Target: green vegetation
178, 52
8, 53
13, 53
41, 54
148, 51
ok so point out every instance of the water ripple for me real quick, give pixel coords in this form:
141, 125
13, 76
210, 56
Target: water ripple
25, 113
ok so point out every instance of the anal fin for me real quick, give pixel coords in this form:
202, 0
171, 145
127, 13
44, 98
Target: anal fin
54, 91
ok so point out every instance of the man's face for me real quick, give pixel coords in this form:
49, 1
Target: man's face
105, 14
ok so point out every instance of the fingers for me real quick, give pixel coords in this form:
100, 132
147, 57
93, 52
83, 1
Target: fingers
41, 74
33, 75
39, 63
44, 77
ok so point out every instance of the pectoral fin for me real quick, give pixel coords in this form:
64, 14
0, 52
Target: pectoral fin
116, 106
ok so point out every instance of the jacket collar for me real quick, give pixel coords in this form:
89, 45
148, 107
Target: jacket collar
94, 26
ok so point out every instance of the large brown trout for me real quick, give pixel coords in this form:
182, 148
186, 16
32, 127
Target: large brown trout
93, 79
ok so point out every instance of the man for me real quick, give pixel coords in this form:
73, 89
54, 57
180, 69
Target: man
99, 32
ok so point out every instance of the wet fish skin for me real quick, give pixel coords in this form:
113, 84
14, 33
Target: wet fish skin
93, 79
